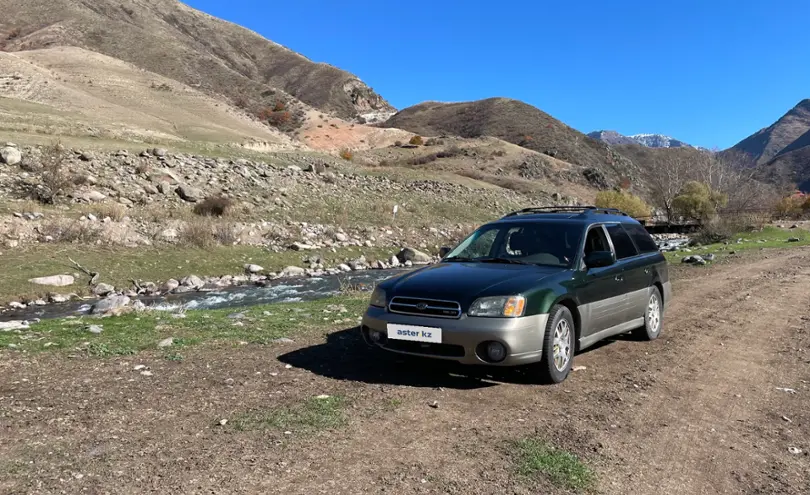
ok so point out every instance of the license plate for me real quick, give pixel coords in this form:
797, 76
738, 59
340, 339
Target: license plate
414, 333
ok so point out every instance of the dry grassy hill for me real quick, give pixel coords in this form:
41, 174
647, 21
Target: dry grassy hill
178, 42
68, 91
521, 124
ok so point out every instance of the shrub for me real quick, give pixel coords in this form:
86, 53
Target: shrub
790, 207
624, 201
279, 106
115, 211
346, 154
225, 235
213, 206
56, 178
698, 201
384, 163
198, 233
434, 142
71, 231
416, 141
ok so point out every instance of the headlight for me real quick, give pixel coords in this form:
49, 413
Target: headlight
378, 298
499, 306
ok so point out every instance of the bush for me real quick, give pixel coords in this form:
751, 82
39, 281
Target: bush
698, 201
198, 233
71, 231
790, 207
115, 211
56, 178
624, 201
213, 206
346, 154
416, 141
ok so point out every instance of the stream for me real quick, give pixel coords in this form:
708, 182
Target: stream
279, 291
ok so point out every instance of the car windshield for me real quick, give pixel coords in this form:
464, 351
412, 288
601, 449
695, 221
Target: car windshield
540, 243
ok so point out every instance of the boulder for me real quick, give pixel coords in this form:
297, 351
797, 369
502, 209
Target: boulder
93, 196
159, 152
170, 285
251, 268
192, 281
293, 271
412, 255
103, 289
190, 194
10, 155
109, 304
54, 280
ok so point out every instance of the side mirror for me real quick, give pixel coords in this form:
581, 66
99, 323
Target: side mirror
598, 259
444, 251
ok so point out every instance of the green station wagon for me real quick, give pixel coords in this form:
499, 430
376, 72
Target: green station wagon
529, 289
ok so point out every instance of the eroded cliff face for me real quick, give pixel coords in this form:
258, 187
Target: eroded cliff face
369, 105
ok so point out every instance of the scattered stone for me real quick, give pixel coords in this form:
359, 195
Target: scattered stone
110, 304
167, 342
146, 373
159, 152
341, 237
288, 366
694, 260
794, 450
16, 305
344, 267
250, 268
236, 316
139, 367
86, 156
709, 257
59, 298
300, 246
434, 404
284, 340
323, 397
786, 390
54, 280
93, 196
96, 329
394, 261
10, 155
579, 368
793, 239
170, 285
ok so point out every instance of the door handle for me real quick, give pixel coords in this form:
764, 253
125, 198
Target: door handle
618, 278
647, 271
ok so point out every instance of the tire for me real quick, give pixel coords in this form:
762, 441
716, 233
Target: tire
560, 324
653, 316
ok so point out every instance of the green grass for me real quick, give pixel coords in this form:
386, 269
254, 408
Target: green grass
768, 238
119, 265
135, 332
314, 414
564, 469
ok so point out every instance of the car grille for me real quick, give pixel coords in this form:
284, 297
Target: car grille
425, 307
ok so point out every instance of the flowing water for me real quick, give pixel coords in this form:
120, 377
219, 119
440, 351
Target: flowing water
282, 290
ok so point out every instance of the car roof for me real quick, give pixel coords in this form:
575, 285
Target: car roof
583, 215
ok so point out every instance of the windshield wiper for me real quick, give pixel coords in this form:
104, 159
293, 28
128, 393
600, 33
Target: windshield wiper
510, 261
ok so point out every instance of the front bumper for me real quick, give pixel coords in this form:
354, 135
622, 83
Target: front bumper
522, 337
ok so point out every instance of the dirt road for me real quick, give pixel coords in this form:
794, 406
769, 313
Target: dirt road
713, 406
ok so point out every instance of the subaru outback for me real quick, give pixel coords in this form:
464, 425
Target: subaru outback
531, 288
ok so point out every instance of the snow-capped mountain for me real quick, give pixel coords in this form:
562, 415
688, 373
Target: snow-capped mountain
648, 140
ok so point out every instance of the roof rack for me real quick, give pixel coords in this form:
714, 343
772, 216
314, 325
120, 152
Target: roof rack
583, 210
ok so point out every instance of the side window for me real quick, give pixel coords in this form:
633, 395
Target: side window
621, 242
643, 241
596, 240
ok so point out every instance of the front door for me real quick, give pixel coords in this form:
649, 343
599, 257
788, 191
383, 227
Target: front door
601, 291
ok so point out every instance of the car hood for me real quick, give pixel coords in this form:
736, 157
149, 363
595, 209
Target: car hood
465, 282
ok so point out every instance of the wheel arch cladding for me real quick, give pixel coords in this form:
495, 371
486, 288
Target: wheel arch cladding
572, 307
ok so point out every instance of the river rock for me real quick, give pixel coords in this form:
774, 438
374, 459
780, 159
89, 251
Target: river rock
96, 329
413, 255
10, 155
54, 280
167, 342
109, 304
170, 285
341, 237
103, 289
250, 268
293, 271
192, 281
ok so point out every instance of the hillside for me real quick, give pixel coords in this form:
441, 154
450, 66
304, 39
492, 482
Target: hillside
178, 42
70, 91
767, 143
518, 123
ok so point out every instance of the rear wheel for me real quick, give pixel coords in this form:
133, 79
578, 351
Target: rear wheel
558, 346
652, 316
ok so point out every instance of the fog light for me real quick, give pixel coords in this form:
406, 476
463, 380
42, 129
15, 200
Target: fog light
496, 352
375, 336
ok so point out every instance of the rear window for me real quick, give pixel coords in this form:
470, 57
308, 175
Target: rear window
621, 241
643, 241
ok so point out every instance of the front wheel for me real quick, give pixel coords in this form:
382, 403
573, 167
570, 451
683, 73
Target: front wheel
653, 316
558, 346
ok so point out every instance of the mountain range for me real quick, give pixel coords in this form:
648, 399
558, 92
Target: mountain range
159, 70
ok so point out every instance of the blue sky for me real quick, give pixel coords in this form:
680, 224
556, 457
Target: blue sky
709, 72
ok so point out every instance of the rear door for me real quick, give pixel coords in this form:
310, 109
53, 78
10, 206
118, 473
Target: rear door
636, 273
643, 266
601, 291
